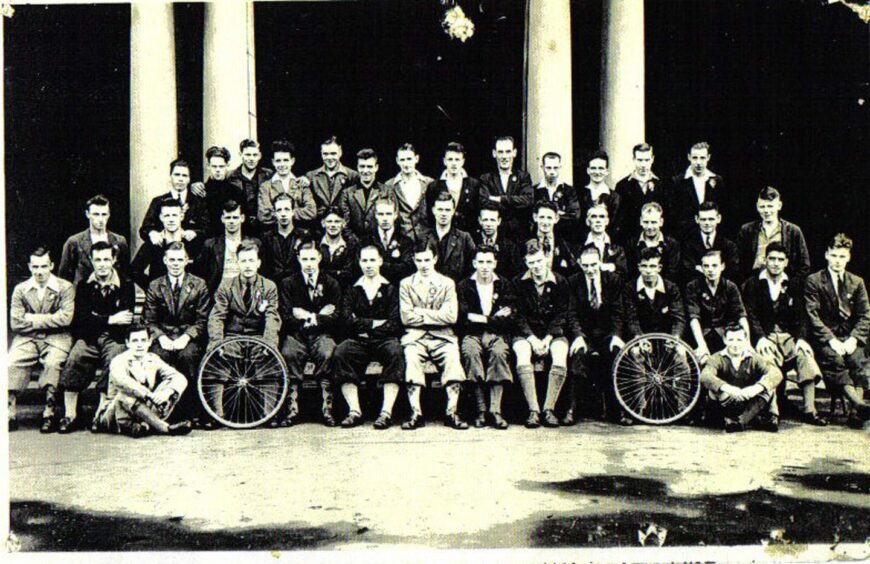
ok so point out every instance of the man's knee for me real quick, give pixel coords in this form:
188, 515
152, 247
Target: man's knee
471, 347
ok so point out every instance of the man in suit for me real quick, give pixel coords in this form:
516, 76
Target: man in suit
194, 211
706, 238
595, 325
652, 237
309, 309
40, 314
104, 306
612, 255
839, 325
652, 304
357, 200
143, 391
251, 174
467, 193
329, 180
281, 242
641, 187
696, 186
454, 247
148, 262
562, 195
218, 259
542, 329
487, 318
509, 261
285, 182
338, 248
408, 188
75, 259
769, 228
510, 188
396, 250
176, 312
777, 325
370, 311
598, 191
219, 191
560, 255
429, 308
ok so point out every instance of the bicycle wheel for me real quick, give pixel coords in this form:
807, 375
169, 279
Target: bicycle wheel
242, 382
657, 378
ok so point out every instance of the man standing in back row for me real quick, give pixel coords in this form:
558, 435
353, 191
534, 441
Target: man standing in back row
510, 188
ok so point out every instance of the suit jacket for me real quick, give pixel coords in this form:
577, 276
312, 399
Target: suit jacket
613, 254
326, 189
472, 196
279, 253
685, 204
230, 315
664, 313
455, 253
156, 372
503, 295
412, 217
343, 265
542, 314
358, 313
565, 199
787, 312
714, 311
304, 208
508, 254
75, 259
692, 249
186, 316
633, 199
792, 239
583, 319
148, 265
566, 257
93, 309
437, 303
357, 209
50, 317
398, 255
294, 293
516, 200
670, 249
209, 264
826, 321
195, 215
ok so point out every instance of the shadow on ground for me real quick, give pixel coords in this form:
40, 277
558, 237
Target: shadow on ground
46, 527
747, 518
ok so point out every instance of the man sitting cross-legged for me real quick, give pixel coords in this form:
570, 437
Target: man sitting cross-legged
370, 310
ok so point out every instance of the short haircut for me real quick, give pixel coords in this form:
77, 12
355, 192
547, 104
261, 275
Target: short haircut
651, 206
308, 242
332, 140
504, 138
367, 153
708, 206
454, 147
175, 246
641, 148
486, 249
590, 249
386, 201
533, 247
231, 206
216, 151
170, 203
283, 146
425, 244
550, 155
407, 147
247, 144
283, 196
598, 155
545, 205
365, 246
649, 253
137, 327
598, 207
734, 328
490, 206
248, 245
332, 210
40, 251
102, 246
776, 247
178, 162
444, 196
699, 146
840, 241
98, 200
713, 253
769, 194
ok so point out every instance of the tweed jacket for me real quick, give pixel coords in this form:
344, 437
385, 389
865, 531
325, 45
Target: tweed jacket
435, 300
231, 316
187, 315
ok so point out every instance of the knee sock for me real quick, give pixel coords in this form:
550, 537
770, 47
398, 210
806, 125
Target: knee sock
495, 393
554, 386
526, 374
351, 396
452, 398
479, 398
414, 399
293, 398
70, 404
12, 402
326, 393
753, 407
808, 390
391, 391
50, 401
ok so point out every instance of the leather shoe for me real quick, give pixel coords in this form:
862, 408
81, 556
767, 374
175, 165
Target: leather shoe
479, 421
534, 420
769, 423
854, 422
138, 430
453, 421
353, 419
415, 422
569, 419
13, 424
49, 425
206, 424
180, 428
549, 419
67, 425
813, 418
498, 422
328, 419
733, 426
383, 421
95, 426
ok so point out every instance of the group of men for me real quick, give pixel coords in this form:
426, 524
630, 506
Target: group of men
482, 277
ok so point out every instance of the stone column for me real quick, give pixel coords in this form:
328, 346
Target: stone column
153, 118
548, 116
229, 88
622, 83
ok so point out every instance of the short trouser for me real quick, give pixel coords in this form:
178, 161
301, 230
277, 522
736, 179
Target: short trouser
443, 351
26, 352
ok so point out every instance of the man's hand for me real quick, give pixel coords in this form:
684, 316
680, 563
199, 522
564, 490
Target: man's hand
838, 346
729, 393
303, 182
328, 309
608, 267
503, 311
850, 345
182, 342
124, 317
412, 317
166, 343
803, 347
496, 199
616, 343
377, 323
750, 392
765, 347
579, 345
189, 234
301, 314
702, 352
155, 237
477, 318
198, 188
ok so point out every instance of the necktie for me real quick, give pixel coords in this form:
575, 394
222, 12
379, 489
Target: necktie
842, 297
176, 291
246, 294
707, 242
311, 286
547, 246
595, 299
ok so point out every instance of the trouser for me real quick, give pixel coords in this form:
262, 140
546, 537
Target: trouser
187, 362
444, 352
297, 350
744, 411
590, 376
351, 357
27, 352
120, 412
83, 359
486, 358
839, 370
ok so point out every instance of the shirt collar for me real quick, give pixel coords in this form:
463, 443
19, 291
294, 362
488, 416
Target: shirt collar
605, 238
277, 177
380, 280
543, 184
115, 280
743, 355
708, 174
834, 276
173, 279
462, 174
659, 287
474, 277
550, 276
341, 241
52, 284
417, 175
595, 190
634, 176
660, 238
763, 275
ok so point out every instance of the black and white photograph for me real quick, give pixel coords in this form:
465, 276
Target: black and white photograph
425, 280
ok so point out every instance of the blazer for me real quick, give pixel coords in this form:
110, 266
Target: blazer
412, 217
692, 249
786, 313
511, 260
664, 313
49, 317
149, 258
304, 208
230, 315
358, 313
398, 255
75, 259
209, 263
670, 249
251, 190
516, 202
343, 265
566, 202
93, 309
503, 295
195, 215
357, 209
155, 372
583, 320
472, 196
544, 314
326, 189
279, 254
714, 311
792, 239
294, 293
613, 203
566, 257
825, 318
437, 301
685, 204
633, 199
186, 316
455, 253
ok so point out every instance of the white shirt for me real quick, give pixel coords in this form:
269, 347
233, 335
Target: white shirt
594, 283
774, 286
231, 259
599, 242
505, 178
97, 238
175, 282
180, 196
659, 286
411, 189
284, 183
371, 287
597, 191
386, 236
335, 246
454, 184
486, 293
709, 239
441, 232
52, 283
835, 279
700, 182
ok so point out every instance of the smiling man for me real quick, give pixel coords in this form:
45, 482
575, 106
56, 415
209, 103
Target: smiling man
357, 200
510, 188
598, 191
329, 180
285, 182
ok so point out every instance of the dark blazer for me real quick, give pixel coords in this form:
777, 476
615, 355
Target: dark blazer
685, 204
663, 314
343, 265
565, 198
544, 314
357, 312
613, 254
398, 255
826, 320
587, 322
787, 312
189, 315
670, 249
692, 249
195, 216
251, 190
93, 309
471, 197
294, 293
209, 264
147, 264
504, 295
358, 210
516, 200
511, 260
566, 257
231, 316
75, 259
217, 193
792, 239
633, 200
455, 253
279, 254
714, 311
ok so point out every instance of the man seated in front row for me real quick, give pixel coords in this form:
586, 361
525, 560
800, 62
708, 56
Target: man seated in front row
487, 316
370, 311
40, 314
429, 308
741, 384
143, 391
777, 325
652, 304
542, 300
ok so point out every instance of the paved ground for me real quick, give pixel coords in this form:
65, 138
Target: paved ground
312, 487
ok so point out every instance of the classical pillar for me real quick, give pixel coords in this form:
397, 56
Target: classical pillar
622, 83
548, 115
153, 127
229, 90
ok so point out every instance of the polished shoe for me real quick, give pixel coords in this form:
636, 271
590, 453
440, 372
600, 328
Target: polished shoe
861, 410
383, 421
13, 424
479, 421
138, 430
498, 422
453, 421
67, 425
569, 419
49, 425
769, 423
626, 421
328, 419
733, 426
854, 422
813, 419
549, 419
95, 426
534, 420
180, 428
415, 422
353, 419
